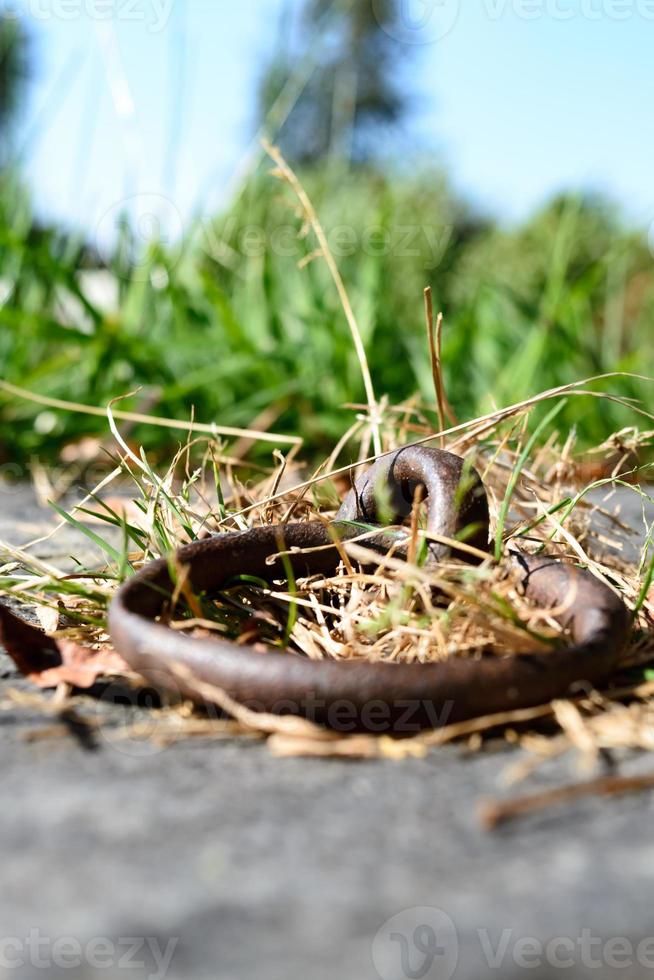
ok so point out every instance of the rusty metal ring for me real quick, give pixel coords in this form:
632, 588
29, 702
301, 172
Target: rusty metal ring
379, 697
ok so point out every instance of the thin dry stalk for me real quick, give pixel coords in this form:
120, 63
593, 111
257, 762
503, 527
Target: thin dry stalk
434, 354
493, 813
163, 423
474, 429
435, 339
286, 173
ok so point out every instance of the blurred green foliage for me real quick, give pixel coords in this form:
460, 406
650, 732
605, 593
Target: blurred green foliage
354, 98
225, 323
14, 75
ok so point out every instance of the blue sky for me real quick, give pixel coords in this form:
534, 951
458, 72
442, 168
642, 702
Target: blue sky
518, 98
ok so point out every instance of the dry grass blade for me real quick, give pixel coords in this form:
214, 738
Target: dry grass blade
209, 429
493, 813
474, 430
435, 340
255, 721
287, 174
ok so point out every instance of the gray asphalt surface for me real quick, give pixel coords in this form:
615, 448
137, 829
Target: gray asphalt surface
223, 862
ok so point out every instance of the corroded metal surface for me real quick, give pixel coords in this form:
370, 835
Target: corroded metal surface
377, 697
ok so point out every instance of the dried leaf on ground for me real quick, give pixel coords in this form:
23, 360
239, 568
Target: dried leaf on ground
50, 661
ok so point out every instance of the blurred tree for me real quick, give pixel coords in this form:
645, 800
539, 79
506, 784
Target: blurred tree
352, 98
14, 73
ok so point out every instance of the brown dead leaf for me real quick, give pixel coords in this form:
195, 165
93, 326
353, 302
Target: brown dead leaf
50, 661
81, 666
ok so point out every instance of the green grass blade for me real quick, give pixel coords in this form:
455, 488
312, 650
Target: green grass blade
108, 549
517, 470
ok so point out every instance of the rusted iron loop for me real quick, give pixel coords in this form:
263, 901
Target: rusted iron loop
362, 695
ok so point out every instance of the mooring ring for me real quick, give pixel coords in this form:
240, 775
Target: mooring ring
362, 695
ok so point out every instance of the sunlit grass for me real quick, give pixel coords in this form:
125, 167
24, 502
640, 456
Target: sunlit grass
225, 327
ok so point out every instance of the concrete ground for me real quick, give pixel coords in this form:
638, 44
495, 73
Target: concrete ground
215, 860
